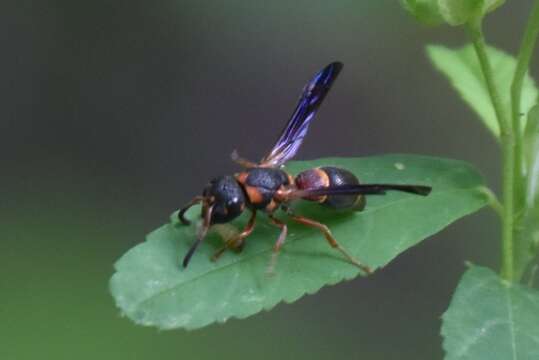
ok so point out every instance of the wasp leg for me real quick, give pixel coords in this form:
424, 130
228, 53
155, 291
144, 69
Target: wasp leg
331, 240
278, 244
181, 214
238, 241
241, 161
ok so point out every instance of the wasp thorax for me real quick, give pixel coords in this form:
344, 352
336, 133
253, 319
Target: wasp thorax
226, 197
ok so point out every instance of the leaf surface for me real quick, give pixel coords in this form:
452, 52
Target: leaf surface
452, 12
526, 246
151, 289
459, 12
491, 319
426, 11
462, 69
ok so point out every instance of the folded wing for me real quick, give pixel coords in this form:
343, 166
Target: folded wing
295, 130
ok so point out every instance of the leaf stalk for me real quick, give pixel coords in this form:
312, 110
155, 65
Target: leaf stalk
493, 201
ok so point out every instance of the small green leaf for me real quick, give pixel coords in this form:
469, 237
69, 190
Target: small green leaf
489, 318
426, 11
462, 69
458, 12
452, 12
531, 153
527, 225
151, 289
491, 5
526, 239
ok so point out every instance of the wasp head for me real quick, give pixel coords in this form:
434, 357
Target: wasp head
226, 198
222, 201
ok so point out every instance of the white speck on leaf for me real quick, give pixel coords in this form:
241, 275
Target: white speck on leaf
399, 166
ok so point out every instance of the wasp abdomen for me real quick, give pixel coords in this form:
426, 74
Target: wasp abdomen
328, 177
338, 177
313, 179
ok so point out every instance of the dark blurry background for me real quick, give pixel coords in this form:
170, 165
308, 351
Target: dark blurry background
114, 113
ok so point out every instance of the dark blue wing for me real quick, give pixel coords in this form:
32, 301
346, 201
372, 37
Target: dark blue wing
295, 130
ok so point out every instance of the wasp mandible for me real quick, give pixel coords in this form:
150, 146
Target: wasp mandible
266, 187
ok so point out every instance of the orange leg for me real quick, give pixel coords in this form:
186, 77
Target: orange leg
331, 240
278, 244
238, 241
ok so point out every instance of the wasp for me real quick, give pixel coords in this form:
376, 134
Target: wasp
266, 187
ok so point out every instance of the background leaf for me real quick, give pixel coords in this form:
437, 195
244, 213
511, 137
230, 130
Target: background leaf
426, 11
458, 12
462, 69
491, 5
491, 319
453, 12
151, 289
531, 153
527, 226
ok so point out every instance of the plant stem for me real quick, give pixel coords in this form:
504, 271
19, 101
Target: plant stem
493, 201
508, 150
523, 61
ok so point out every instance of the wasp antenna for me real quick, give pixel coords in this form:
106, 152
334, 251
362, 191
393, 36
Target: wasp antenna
181, 213
190, 253
201, 235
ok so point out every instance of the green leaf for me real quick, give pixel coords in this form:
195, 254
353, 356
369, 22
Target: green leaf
426, 11
489, 318
462, 69
526, 245
531, 152
527, 225
491, 5
151, 289
453, 12
458, 12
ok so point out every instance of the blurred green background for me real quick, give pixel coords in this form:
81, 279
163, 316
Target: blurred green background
115, 113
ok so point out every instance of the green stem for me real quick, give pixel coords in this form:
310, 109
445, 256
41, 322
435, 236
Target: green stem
523, 61
493, 201
508, 150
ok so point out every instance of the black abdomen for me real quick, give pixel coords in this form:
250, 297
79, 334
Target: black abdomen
338, 177
329, 177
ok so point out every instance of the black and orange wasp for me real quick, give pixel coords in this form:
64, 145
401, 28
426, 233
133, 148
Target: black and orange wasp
266, 187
